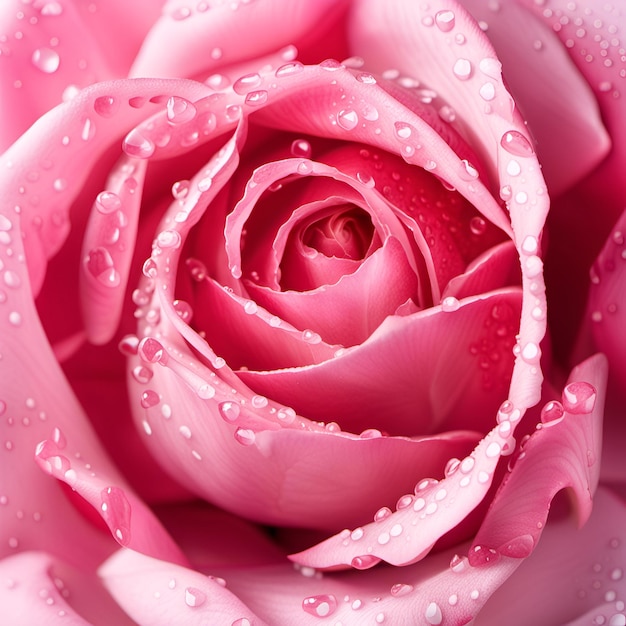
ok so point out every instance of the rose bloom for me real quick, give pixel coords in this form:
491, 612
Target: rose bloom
312, 312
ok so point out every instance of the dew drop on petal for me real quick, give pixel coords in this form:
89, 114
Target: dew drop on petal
382, 514
245, 436
433, 614
450, 304
179, 110
149, 399
445, 20
579, 398
108, 202
347, 119
229, 410
194, 597
46, 60
364, 562
106, 106
320, 606
515, 143
552, 413
462, 69
135, 144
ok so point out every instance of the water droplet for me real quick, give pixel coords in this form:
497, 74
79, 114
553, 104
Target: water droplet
579, 398
477, 225
433, 614
185, 431
357, 534
515, 143
286, 415
513, 168
400, 589
301, 148
552, 413
347, 119
256, 98
229, 411
194, 597
450, 304
487, 91
382, 514
364, 562
149, 399
366, 78
137, 145
46, 60
462, 69
320, 606
518, 548
142, 374
445, 20
245, 436
168, 239
151, 350
311, 337
305, 167
116, 511
531, 352
12, 279
403, 130
179, 110
108, 202
246, 83
289, 69
99, 263
15, 319
106, 106
481, 555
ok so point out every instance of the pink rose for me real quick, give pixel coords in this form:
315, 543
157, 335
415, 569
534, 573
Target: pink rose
266, 314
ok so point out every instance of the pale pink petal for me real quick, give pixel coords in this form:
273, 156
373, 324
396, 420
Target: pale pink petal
564, 452
564, 119
593, 34
574, 576
77, 133
468, 75
44, 427
444, 368
153, 591
213, 34
38, 588
607, 301
47, 52
108, 247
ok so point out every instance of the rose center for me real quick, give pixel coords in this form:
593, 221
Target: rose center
345, 234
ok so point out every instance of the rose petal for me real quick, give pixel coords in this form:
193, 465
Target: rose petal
38, 588
574, 576
155, 591
563, 119
417, 374
74, 135
257, 28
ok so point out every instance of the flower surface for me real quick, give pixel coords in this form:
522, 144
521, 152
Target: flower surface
312, 312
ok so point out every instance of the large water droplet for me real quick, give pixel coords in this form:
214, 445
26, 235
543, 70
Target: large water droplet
400, 589
515, 143
364, 562
245, 436
552, 413
149, 399
579, 398
106, 106
108, 202
180, 110
229, 410
433, 614
46, 60
445, 20
462, 69
137, 145
320, 606
246, 83
347, 119
194, 597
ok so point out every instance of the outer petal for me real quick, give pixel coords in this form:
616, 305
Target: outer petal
564, 118
573, 573
257, 28
39, 589
563, 453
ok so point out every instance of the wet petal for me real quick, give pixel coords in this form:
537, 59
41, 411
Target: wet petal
155, 591
38, 588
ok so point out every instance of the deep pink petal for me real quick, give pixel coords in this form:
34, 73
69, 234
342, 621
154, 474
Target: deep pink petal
444, 368
38, 588
564, 119
574, 576
153, 591
348, 312
252, 30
